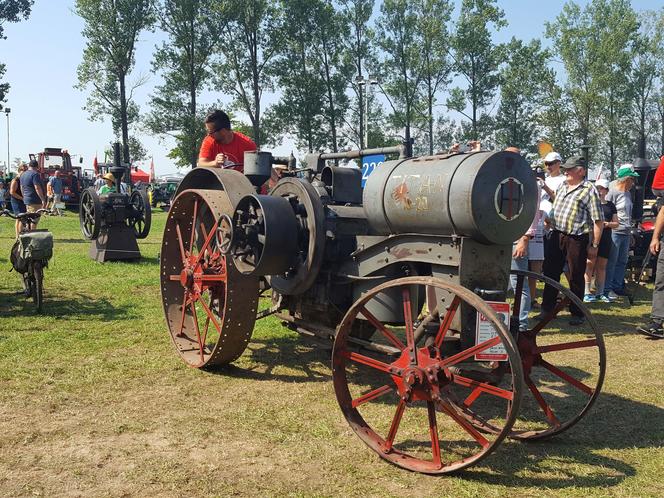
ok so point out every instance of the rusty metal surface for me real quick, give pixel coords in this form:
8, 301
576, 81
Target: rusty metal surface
210, 307
423, 374
489, 196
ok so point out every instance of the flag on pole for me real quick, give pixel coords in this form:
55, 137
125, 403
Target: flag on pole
152, 169
95, 165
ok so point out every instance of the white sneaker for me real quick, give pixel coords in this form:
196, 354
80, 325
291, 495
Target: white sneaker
612, 296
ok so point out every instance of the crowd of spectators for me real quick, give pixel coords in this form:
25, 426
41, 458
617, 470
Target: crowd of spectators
582, 229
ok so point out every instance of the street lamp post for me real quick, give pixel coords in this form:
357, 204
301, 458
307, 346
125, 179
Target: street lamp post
366, 83
7, 111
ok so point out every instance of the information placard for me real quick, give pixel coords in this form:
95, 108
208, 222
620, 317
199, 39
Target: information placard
485, 331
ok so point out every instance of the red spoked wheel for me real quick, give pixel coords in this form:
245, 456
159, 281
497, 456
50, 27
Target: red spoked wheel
563, 365
210, 307
420, 407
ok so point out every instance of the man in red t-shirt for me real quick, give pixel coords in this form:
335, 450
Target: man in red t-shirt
658, 180
223, 147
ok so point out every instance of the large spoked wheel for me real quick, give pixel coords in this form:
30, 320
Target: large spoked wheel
413, 406
210, 307
563, 365
141, 218
37, 284
89, 214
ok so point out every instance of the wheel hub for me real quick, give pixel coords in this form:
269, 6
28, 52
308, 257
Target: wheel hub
421, 381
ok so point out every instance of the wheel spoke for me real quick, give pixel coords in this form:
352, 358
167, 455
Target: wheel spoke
208, 239
465, 425
383, 329
545, 321
365, 360
193, 226
453, 360
210, 316
447, 321
566, 377
481, 387
408, 322
198, 332
183, 254
551, 417
371, 395
566, 345
389, 442
433, 433
518, 297
184, 312
213, 278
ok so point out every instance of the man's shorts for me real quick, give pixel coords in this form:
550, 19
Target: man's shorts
33, 208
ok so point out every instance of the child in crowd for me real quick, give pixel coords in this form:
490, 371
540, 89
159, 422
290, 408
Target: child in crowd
597, 266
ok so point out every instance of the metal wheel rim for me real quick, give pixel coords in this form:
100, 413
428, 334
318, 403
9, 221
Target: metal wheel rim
450, 406
89, 214
140, 224
195, 280
527, 355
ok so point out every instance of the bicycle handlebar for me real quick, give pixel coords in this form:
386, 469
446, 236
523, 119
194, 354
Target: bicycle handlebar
23, 216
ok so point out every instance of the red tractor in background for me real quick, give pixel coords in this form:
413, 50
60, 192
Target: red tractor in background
55, 158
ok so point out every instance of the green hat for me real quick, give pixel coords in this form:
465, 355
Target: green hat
573, 162
626, 171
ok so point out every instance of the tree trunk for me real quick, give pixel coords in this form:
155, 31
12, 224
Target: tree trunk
192, 91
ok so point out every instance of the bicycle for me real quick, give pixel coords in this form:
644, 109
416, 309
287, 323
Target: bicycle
30, 254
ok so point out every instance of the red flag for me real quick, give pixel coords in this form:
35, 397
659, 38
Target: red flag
95, 165
152, 169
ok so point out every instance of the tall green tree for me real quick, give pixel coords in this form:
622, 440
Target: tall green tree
249, 43
433, 17
521, 93
401, 65
358, 52
11, 11
593, 44
556, 119
477, 59
310, 75
193, 30
647, 57
111, 28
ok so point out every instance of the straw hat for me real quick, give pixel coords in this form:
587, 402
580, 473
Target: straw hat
109, 176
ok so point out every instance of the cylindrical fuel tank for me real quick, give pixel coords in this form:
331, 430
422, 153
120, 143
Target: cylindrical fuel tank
489, 196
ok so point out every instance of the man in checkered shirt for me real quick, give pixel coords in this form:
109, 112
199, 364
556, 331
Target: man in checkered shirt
575, 235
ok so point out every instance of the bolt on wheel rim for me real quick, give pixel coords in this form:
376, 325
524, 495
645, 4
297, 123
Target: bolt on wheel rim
413, 407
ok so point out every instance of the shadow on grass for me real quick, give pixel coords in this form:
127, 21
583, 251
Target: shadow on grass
74, 307
288, 353
615, 423
583, 456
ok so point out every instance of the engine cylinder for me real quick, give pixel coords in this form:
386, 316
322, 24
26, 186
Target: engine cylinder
489, 196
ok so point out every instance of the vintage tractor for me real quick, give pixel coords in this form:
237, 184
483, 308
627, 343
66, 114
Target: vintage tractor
55, 158
113, 221
409, 279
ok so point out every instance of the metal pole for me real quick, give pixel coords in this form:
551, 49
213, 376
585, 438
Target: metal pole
7, 111
367, 86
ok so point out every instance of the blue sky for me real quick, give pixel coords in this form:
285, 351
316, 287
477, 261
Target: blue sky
42, 54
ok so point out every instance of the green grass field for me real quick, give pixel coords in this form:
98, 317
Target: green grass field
94, 401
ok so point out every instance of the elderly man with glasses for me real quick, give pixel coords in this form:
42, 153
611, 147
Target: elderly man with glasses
576, 231
223, 147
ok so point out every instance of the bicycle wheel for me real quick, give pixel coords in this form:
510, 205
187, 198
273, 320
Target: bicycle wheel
37, 285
